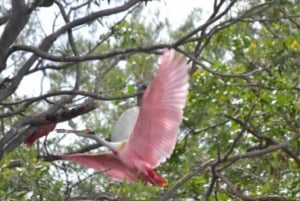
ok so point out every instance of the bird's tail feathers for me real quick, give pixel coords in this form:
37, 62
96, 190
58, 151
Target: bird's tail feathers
152, 177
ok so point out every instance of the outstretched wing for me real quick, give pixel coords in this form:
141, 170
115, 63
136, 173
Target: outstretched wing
106, 163
125, 124
155, 133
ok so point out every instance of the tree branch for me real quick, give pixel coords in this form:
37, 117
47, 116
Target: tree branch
202, 167
15, 136
16, 22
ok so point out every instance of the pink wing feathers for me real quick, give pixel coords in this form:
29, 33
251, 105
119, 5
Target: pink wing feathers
107, 163
155, 132
112, 166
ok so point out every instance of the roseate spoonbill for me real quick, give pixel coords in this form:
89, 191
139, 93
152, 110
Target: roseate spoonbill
41, 131
154, 135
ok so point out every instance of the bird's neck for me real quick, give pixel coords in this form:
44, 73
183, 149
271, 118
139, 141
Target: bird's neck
119, 146
116, 147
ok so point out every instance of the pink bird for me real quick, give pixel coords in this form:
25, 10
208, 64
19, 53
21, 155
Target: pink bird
154, 135
41, 131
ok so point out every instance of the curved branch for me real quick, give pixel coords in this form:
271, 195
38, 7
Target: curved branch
29, 101
45, 55
198, 170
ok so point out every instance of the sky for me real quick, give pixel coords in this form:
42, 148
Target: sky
176, 11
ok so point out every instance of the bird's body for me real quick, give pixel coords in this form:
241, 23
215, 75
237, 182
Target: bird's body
154, 135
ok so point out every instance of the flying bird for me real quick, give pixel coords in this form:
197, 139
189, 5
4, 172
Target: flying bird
153, 138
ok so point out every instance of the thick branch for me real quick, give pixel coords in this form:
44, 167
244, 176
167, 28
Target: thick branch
16, 22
